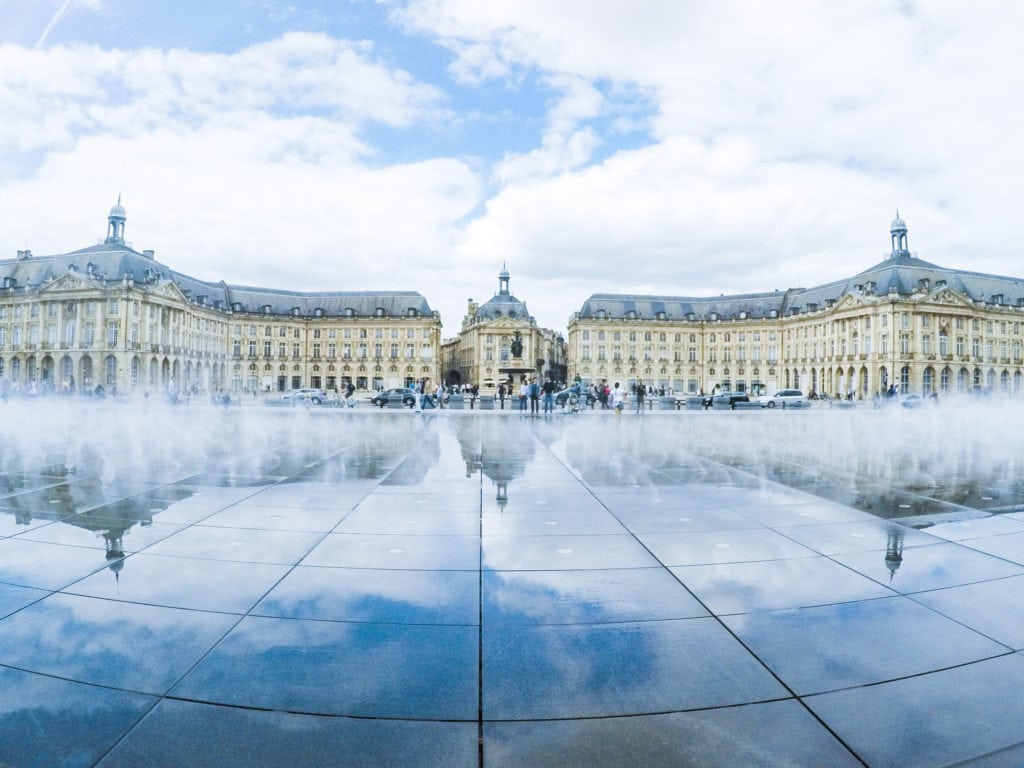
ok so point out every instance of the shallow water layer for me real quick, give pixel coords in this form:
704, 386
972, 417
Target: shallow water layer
336, 587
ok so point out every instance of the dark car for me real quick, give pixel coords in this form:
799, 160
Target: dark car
381, 398
727, 399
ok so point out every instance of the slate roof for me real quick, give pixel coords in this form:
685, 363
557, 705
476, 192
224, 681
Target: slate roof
114, 261
903, 274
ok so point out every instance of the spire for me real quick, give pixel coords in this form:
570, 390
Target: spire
115, 223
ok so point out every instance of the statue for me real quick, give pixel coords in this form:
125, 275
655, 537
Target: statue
517, 345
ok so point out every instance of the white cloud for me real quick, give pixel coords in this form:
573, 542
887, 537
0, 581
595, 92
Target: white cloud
776, 143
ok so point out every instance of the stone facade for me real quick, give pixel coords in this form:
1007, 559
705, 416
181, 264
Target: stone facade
500, 341
904, 322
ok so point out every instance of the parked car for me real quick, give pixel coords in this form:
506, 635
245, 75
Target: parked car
783, 398
381, 398
727, 398
301, 396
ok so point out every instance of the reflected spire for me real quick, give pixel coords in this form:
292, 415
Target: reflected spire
893, 551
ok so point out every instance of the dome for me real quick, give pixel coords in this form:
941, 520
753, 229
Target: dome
898, 225
502, 306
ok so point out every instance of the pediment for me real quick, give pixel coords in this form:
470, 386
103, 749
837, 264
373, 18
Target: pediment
71, 281
950, 298
850, 301
506, 324
170, 290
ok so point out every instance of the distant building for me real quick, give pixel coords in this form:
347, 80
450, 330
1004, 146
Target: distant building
904, 321
501, 342
112, 319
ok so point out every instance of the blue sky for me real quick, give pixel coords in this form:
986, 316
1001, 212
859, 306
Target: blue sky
594, 146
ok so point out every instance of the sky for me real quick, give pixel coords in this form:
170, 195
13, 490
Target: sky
661, 147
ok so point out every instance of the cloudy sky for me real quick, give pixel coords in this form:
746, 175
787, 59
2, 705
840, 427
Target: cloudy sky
624, 146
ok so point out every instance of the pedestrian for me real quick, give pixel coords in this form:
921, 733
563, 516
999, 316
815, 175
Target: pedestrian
549, 395
534, 396
501, 395
618, 398
524, 393
641, 391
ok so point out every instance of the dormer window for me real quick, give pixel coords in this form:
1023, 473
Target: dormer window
413, 312
773, 313
318, 312
600, 314
379, 312
265, 309
713, 316
631, 314
295, 311
743, 314
661, 315
349, 312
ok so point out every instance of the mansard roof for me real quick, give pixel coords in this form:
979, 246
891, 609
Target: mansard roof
681, 308
901, 274
113, 262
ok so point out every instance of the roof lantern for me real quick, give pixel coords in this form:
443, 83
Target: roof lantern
115, 224
898, 235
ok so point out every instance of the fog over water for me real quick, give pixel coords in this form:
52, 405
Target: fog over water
959, 451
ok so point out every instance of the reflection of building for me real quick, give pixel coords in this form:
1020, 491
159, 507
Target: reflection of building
113, 317
903, 321
485, 351
893, 551
501, 452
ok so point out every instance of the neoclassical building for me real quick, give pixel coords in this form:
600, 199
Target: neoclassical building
500, 341
110, 317
904, 322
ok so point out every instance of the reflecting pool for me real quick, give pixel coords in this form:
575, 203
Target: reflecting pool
278, 587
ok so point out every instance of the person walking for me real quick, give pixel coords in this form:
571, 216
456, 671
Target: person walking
524, 393
641, 392
534, 396
618, 398
501, 395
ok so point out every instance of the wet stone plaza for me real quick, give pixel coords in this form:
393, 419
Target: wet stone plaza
330, 587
